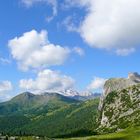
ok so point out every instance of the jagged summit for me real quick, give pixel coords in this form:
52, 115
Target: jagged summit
121, 83
116, 84
73, 93
69, 92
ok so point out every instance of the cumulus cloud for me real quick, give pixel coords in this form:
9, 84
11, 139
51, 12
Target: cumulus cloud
33, 50
110, 24
48, 80
53, 3
96, 84
5, 88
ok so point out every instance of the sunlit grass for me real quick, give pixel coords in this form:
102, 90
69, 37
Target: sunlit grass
130, 134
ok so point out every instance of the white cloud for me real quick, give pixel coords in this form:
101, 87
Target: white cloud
79, 51
53, 3
5, 88
48, 80
96, 84
33, 50
110, 24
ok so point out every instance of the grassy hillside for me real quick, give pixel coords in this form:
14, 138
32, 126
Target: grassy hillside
128, 134
65, 121
68, 120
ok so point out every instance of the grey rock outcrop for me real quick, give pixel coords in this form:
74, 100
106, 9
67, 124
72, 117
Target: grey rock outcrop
120, 104
115, 84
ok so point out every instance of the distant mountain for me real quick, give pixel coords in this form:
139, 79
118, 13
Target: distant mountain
69, 92
82, 96
28, 102
49, 114
89, 97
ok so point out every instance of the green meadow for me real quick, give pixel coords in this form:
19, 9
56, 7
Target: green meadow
131, 134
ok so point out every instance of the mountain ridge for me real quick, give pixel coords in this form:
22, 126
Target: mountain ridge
27, 101
70, 117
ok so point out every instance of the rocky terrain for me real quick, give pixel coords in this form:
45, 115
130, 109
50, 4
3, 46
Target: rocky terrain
120, 104
116, 84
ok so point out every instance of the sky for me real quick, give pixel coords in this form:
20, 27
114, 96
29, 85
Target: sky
56, 45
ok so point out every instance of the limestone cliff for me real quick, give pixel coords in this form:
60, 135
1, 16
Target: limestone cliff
120, 104
115, 84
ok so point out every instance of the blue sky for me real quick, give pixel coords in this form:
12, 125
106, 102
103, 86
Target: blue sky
92, 52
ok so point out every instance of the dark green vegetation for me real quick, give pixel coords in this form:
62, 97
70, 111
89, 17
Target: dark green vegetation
50, 115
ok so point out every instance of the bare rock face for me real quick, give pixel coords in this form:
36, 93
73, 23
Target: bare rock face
120, 104
134, 77
115, 84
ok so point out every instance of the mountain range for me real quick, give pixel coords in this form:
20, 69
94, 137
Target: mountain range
56, 115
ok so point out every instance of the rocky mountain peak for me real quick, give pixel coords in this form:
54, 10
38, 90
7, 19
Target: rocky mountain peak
117, 84
69, 92
120, 109
72, 93
119, 105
